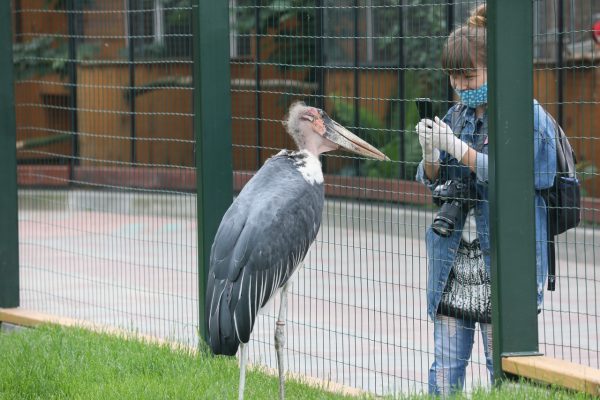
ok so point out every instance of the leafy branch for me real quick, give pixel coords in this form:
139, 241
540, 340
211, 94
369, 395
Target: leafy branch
45, 55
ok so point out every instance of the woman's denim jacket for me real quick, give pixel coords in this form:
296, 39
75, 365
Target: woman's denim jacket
441, 251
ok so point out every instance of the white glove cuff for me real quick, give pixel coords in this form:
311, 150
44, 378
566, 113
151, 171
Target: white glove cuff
431, 156
456, 147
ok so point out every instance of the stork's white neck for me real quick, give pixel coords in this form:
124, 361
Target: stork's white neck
310, 167
307, 164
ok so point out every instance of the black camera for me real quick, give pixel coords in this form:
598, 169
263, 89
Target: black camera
455, 200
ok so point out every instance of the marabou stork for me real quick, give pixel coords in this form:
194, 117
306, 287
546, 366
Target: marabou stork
266, 232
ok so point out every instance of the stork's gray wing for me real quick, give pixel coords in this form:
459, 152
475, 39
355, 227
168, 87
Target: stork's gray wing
262, 238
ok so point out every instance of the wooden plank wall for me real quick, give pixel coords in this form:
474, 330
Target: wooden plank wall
163, 117
41, 111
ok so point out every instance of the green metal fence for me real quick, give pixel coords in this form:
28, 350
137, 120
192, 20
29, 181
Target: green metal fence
9, 255
137, 121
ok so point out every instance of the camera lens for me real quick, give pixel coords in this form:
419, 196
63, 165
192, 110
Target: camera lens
446, 219
442, 226
453, 199
442, 230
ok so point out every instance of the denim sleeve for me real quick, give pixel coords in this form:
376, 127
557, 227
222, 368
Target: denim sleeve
481, 171
544, 148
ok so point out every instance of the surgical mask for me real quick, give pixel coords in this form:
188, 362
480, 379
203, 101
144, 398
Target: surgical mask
474, 97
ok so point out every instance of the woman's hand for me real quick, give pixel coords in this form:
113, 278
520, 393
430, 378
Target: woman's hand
439, 135
430, 153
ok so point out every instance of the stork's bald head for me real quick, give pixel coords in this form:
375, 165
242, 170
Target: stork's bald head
302, 121
313, 130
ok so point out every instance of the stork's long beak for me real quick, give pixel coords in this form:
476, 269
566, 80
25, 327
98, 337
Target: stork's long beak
349, 141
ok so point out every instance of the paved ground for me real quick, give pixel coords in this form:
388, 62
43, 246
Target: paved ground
357, 310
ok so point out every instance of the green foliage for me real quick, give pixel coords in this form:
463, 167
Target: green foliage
412, 149
39, 56
370, 125
387, 135
46, 55
292, 25
370, 128
294, 22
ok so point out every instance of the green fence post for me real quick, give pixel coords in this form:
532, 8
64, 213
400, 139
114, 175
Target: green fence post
9, 234
510, 108
212, 130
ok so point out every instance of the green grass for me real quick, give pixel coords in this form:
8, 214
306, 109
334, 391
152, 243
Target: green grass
64, 363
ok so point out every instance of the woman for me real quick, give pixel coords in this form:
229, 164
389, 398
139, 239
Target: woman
458, 243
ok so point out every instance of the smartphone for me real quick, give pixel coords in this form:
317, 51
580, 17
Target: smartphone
425, 107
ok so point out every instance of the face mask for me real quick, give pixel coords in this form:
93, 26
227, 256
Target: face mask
474, 97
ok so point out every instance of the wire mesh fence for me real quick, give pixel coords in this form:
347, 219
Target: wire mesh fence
106, 168
358, 311
107, 177
566, 80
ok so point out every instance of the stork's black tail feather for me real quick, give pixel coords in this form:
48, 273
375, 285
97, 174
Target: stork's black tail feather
221, 330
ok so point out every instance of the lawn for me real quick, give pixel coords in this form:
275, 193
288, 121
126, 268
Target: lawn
51, 362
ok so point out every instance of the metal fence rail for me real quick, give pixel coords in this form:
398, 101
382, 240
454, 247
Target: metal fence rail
132, 134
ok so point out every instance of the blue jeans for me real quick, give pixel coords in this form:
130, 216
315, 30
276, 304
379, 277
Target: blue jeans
453, 345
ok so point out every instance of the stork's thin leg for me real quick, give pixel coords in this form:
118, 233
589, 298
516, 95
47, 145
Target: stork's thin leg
280, 339
243, 359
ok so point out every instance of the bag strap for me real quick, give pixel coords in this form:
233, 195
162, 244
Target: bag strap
565, 166
551, 261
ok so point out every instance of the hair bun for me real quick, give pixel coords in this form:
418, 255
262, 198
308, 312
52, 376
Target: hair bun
478, 17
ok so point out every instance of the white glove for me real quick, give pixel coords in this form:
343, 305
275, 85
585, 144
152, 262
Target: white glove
442, 137
430, 153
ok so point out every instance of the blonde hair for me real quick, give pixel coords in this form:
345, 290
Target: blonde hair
466, 47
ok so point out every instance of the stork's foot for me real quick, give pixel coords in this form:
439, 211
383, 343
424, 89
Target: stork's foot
279, 345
